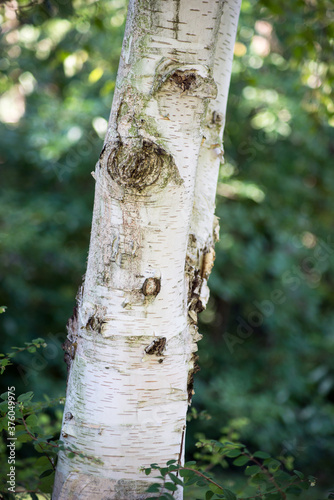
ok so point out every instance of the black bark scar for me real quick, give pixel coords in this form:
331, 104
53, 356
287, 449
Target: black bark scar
156, 347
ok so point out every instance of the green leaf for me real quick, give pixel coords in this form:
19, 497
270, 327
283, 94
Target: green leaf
148, 471
32, 421
282, 475
201, 482
260, 478
233, 453
20, 427
23, 438
299, 474
3, 309
176, 479
209, 495
215, 488
171, 462
274, 496
167, 496
3, 423
38, 448
172, 468
272, 464
261, 454
294, 490
189, 464
26, 397
229, 495
46, 473
39, 340
187, 473
4, 362
4, 407
46, 484
71, 454
241, 461
305, 485
42, 463
252, 469
190, 480
153, 488
170, 486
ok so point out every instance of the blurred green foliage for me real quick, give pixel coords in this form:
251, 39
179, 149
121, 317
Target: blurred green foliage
267, 354
266, 357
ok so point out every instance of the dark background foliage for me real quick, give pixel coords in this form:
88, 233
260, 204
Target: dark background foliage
266, 356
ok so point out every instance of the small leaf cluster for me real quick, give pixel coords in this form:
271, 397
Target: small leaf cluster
170, 477
266, 478
5, 359
194, 414
31, 430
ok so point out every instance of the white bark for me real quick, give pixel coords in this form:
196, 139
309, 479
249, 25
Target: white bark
134, 336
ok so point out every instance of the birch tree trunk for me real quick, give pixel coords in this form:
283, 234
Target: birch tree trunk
132, 340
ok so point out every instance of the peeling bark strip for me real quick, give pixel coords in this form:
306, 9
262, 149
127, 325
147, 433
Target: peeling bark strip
132, 342
190, 380
69, 349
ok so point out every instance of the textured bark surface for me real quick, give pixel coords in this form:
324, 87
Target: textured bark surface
132, 341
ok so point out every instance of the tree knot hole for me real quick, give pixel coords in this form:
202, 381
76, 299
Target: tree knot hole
183, 80
151, 287
157, 346
137, 164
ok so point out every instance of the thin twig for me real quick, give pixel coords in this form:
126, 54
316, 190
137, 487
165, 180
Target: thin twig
267, 473
39, 444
